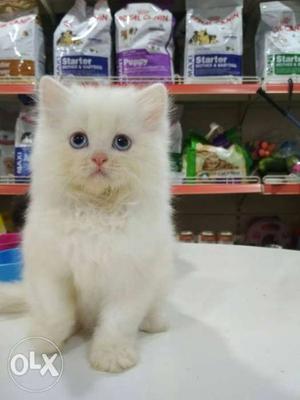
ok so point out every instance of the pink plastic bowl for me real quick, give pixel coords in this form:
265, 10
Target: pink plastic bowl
9, 240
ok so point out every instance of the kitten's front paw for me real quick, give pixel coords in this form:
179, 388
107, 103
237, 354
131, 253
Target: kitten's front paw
112, 357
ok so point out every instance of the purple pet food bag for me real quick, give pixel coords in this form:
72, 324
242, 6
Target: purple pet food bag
144, 43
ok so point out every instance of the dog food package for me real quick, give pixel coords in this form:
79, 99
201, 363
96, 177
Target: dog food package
214, 40
82, 41
24, 131
278, 41
144, 42
21, 45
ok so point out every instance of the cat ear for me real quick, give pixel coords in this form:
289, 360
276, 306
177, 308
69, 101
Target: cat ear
153, 105
53, 97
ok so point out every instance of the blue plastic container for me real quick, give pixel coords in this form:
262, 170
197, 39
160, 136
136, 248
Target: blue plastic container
11, 265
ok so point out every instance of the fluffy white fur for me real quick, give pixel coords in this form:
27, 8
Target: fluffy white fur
98, 249
12, 298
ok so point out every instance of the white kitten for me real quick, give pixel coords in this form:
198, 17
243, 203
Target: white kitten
98, 238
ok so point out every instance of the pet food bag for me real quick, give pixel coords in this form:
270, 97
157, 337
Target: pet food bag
176, 139
144, 42
213, 40
21, 44
82, 41
205, 161
278, 41
9, 7
7, 159
24, 131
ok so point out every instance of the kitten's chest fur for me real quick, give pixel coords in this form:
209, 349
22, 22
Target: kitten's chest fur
89, 233
104, 253
93, 245
97, 242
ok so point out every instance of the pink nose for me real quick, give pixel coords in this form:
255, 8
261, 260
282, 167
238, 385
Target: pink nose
99, 159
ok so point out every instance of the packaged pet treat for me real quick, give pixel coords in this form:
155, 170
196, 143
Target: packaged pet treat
13, 7
278, 41
205, 161
144, 42
82, 41
7, 159
21, 43
214, 40
25, 126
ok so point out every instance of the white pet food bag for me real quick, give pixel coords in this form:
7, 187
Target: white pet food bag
82, 41
24, 131
213, 40
21, 46
144, 42
278, 41
7, 150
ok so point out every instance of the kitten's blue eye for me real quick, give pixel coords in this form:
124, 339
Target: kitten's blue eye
121, 142
79, 140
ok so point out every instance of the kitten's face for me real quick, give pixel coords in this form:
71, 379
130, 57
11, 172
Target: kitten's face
101, 139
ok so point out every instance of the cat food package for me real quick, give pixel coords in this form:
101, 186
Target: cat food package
21, 43
7, 158
82, 41
278, 41
213, 40
144, 42
24, 131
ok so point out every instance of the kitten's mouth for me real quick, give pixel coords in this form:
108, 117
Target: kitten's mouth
98, 172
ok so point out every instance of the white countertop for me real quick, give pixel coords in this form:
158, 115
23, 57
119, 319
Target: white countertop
235, 334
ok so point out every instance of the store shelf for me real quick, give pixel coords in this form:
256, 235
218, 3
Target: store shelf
213, 89
10, 189
248, 87
234, 89
271, 185
281, 185
217, 186
181, 92
17, 87
281, 88
13, 186
177, 189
